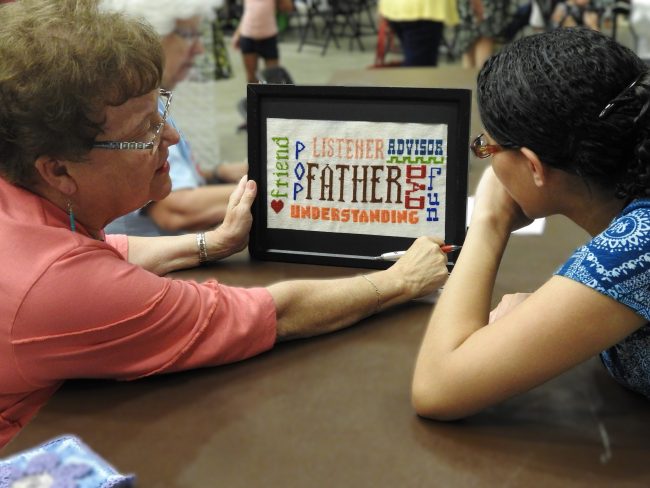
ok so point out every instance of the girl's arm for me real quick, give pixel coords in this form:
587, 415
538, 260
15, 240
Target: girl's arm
464, 366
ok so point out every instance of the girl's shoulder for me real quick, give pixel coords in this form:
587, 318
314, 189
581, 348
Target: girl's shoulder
629, 232
616, 262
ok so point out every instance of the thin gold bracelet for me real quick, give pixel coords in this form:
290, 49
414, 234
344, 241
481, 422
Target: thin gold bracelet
203, 248
377, 292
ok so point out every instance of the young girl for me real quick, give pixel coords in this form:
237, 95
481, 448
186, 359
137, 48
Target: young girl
257, 34
567, 129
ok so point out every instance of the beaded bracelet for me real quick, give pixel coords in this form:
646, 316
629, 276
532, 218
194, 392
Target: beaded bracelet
203, 248
377, 292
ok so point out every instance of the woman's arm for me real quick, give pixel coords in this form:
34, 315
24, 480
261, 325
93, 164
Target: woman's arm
162, 255
312, 307
308, 307
463, 366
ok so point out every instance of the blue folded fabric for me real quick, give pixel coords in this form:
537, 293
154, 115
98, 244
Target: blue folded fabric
64, 462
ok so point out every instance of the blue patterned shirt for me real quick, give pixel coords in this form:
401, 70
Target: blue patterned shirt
617, 264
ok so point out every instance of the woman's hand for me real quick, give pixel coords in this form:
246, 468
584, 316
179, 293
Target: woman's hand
310, 307
507, 303
423, 268
232, 235
493, 201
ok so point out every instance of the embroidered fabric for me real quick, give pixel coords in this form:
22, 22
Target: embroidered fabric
64, 462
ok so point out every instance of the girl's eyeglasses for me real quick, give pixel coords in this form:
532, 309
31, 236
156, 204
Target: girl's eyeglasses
482, 149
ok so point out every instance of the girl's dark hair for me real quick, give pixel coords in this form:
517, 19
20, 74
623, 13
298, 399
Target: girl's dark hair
548, 92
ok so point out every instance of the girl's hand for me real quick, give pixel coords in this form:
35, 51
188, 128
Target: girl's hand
493, 201
507, 303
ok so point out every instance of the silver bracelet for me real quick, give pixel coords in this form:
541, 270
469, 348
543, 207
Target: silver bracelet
377, 292
203, 248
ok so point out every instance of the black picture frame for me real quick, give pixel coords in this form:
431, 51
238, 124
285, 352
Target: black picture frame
353, 103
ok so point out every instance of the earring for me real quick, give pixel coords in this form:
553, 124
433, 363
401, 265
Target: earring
73, 226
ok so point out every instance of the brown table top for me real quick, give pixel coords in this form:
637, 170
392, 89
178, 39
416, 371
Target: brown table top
334, 411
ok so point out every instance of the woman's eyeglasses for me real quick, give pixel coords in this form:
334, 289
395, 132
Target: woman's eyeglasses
188, 36
157, 131
482, 149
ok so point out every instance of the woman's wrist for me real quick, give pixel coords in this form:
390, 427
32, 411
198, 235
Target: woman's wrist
202, 248
221, 245
391, 286
378, 294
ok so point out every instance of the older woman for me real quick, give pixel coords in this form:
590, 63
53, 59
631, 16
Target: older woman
192, 204
83, 142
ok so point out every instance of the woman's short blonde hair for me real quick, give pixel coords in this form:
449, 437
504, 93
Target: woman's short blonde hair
61, 63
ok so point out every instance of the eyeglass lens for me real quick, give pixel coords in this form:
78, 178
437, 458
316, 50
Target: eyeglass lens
482, 149
477, 147
164, 111
188, 35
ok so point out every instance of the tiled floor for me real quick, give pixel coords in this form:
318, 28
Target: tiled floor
207, 111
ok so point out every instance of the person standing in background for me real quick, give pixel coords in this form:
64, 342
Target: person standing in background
257, 34
419, 26
481, 22
572, 13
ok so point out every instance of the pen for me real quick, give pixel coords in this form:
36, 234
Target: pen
394, 256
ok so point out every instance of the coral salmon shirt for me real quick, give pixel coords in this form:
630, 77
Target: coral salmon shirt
74, 307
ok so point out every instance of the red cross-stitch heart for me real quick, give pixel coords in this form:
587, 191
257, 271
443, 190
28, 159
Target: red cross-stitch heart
277, 205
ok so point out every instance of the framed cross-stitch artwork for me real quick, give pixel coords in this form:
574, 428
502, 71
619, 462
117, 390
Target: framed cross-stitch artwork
346, 174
